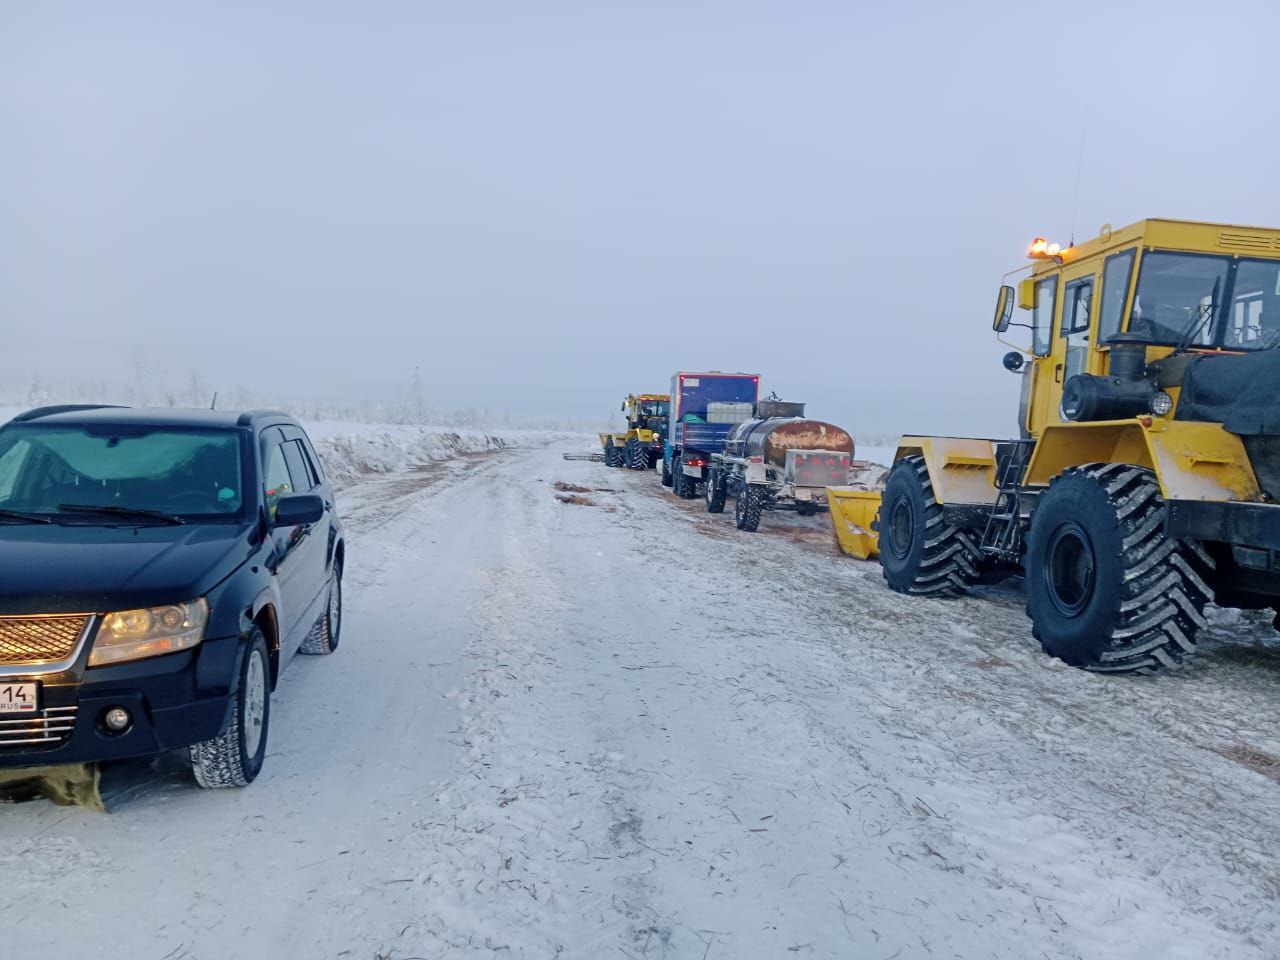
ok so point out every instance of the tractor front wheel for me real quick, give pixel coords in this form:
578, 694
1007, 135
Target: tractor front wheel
920, 553
1106, 589
637, 456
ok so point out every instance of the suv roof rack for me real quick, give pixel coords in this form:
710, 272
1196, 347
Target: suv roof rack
249, 416
37, 412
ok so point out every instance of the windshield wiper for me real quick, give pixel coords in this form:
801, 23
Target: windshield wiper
24, 517
124, 513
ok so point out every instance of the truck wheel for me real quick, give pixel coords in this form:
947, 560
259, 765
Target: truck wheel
920, 553
749, 507
717, 488
684, 487
235, 758
637, 458
1106, 589
667, 477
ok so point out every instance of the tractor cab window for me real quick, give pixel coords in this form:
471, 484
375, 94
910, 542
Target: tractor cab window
1042, 316
1180, 298
1077, 311
1253, 318
1115, 289
653, 408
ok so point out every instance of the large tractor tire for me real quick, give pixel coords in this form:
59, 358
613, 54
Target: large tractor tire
1106, 589
717, 489
637, 456
686, 488
612, 455
920, 553
668, 476
749, 507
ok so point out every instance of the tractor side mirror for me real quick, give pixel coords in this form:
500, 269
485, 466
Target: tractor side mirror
1004, 309
1013, 361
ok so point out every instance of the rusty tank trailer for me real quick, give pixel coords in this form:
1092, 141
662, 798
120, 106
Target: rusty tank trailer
771, 438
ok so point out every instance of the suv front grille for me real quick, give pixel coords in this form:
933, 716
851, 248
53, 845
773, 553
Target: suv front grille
49, 728
37, 640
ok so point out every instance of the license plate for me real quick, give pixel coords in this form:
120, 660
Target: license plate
19, 697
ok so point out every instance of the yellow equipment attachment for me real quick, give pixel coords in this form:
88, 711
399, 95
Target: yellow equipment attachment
852, 513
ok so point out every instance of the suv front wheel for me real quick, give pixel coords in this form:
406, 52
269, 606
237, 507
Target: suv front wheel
234, 759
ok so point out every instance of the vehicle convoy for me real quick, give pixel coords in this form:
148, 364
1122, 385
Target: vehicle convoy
641, 445
777, 460
1145, 480
158, 570
704, 408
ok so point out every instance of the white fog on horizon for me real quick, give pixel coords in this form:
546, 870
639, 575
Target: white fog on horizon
537, 208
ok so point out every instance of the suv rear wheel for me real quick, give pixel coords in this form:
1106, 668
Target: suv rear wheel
324, 636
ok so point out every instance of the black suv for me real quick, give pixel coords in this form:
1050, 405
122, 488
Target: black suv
158, 569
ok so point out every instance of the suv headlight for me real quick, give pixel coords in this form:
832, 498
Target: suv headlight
137, 634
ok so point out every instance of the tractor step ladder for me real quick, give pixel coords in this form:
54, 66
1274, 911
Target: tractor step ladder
1002, 537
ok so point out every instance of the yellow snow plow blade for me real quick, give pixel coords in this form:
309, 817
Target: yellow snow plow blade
852, 511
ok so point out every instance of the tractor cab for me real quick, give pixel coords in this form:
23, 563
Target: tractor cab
1116, 322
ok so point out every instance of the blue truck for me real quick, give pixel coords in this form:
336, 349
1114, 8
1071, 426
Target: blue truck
704, 408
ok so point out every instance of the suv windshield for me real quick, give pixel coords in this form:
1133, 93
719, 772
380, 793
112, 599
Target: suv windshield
1208, 301
174, 471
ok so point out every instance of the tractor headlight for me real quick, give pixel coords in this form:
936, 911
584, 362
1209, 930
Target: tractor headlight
1161, 403
153, 632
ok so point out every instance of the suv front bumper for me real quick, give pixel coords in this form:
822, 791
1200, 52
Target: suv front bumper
173, 701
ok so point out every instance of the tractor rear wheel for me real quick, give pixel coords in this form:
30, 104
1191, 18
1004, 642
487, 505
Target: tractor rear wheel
1107, 590
749, 507
667, 475
920, 553
611, 455
717, 488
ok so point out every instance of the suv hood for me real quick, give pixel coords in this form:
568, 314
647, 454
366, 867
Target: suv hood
76, 568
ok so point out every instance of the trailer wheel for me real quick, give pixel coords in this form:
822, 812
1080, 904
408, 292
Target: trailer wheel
667, 475
749, 507
1107, 590
920, 553
717, 488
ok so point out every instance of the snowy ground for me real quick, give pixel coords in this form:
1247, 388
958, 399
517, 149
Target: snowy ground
620, 728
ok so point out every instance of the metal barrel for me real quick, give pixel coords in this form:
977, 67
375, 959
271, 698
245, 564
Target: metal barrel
773, 437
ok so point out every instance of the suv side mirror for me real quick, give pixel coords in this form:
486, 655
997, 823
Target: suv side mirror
1004, 309
299, 509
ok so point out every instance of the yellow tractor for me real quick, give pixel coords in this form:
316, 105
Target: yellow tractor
1145, 478
640, 447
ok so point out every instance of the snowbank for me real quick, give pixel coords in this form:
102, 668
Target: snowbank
354, 451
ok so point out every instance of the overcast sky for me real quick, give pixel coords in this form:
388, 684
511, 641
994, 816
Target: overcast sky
547, 205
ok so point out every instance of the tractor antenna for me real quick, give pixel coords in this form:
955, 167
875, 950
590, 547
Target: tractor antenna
1075, 208
214, 404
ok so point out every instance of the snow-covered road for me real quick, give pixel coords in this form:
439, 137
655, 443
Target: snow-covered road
623, 729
